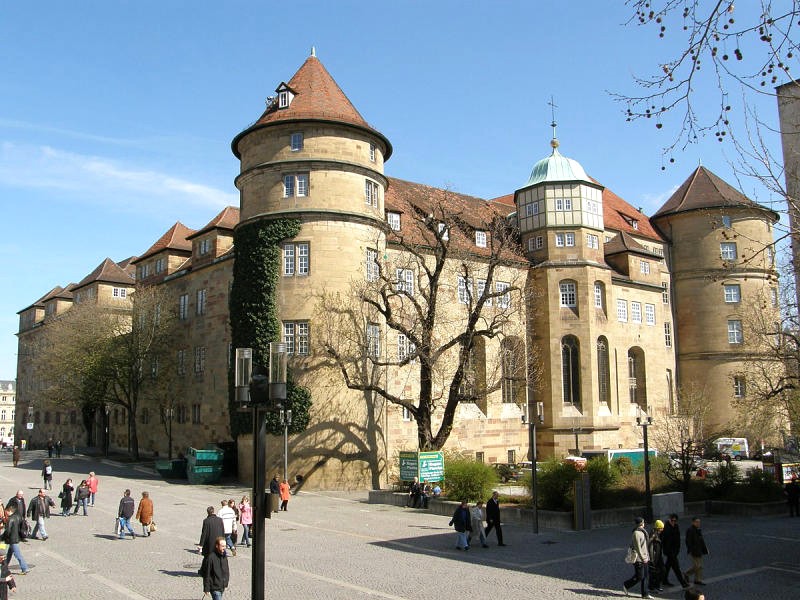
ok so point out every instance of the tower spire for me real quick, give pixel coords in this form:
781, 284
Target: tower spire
554, 142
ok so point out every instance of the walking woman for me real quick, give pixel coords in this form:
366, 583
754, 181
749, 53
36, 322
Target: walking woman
81, 497
284, 490
641, 558
144, 513
66, 497
47, 475
246, 519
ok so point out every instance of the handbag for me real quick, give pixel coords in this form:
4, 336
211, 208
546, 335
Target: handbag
630, 555
60, 494
117, 526
152, 526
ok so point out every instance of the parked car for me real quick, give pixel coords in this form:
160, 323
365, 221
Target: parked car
508, 471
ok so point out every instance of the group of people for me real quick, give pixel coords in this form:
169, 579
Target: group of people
420, 493
143, 513
654, 555
280, 490
468, 522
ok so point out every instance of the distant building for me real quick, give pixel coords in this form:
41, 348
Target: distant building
8, 404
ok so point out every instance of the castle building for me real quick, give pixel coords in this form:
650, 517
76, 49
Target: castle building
601, 312
8, 403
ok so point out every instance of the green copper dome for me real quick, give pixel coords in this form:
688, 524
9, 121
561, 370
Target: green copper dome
557, 167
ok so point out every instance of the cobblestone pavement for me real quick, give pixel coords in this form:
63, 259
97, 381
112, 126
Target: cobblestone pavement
336, 546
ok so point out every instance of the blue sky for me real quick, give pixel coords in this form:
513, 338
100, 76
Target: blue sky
116, 117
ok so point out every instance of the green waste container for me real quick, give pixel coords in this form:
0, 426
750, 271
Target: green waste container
204, 474
208, 456
172, 469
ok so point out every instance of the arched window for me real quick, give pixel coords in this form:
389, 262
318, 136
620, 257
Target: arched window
637, 379
568, 294
603, 372
571, 371
600, 295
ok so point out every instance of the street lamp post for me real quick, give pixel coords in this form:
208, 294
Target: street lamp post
169, 413
532, 421
644, 422
107, 423
286, 420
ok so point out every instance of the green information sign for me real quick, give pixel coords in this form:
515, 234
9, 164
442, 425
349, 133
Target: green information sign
425, 466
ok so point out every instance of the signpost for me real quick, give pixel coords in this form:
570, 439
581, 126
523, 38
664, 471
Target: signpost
425, 466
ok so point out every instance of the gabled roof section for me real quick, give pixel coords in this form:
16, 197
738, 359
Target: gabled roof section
106, 272
228, 218
66, 293
40, 302
176, 238
617, 215
703, 190
624, 242
317, 97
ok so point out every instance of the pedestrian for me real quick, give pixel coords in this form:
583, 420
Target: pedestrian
641, 557
228, 522
274, 494
47, 475
671, 547
414, 492
144, 513
59, 447
792, 491
66, 497
493, 517
697, 549
285, 491
6, 578
92, 481
211, 531
12, 538
125, 513
81, 497
235, 532
461, 522
39, 510
656, 571
15, 455
18, 500
476, 520
214, 569
246, 518
50, 447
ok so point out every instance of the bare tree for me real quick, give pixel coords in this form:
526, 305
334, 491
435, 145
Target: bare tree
441, 298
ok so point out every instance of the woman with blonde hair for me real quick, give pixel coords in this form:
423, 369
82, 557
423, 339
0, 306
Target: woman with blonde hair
246, 519
144, 513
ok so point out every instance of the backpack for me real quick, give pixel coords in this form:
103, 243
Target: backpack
24, 529
48, 470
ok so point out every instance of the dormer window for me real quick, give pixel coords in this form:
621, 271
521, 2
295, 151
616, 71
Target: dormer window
372, 152
480, 239
393, 219
284, 99
726, 221
297, 141
444, 231
634, 223
204, 246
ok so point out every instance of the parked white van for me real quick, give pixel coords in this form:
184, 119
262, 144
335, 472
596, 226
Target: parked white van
736, 448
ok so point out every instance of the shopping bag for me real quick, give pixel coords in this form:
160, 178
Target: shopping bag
152, 526
117, 526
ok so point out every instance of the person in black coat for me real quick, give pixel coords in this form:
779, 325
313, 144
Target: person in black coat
38, 511
213, 528
66, 497
656, 564
792, 491
462, 523
671, 547
6, 579
493, 517
697, 549
214, 569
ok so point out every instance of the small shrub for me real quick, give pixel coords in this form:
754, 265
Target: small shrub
602, 477
724, 479
554, 483
469, 480
624, 465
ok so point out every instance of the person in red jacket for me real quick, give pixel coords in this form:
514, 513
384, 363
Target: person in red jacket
285, 491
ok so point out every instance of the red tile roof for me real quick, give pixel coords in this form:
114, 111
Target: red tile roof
176, 238
317, 97
107, 272
227, 218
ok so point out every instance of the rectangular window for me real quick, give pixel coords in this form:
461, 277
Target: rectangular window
302, 338
636, 312
668, 334
733, 293
119, 292
726, 221
195, 414
404, 347
568, 294
160, 265
592, 241
563, 204
283, 99
199, 359
154, 368
598, 295
444, 231
295, 259
665, 293
622, 311
501, 287
644, 267
464, 290
406, 414
480, 239
405, 281
296, 337
539, 242
569, 238
770, 253
371, 193
480, 457
183, 307
512, 456
371, 262
201, 302
296, 142
182, 414
481, 287
181, 362
393, 219
773, 292
559, 240
735, 332
372, 152
530, 244
738, 387
728, 250
205, 246
289, 337
650, 314
295, 184
373, 340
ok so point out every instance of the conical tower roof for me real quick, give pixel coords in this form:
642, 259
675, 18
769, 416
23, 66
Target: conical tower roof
316, 97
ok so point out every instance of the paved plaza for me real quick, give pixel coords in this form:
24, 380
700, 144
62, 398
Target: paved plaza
334, 545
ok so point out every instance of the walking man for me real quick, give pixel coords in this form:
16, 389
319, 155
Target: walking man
228, 516
697, 549
212, 530
274, 494
92, 481
461, 523
15, 455
39, 510
792, 491
671, 546
19, 503
126, 509
13, 538
493, 517
214, 569
642, 559
476, 516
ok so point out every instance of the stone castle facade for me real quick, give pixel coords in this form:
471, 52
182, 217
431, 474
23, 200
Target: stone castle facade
607, 311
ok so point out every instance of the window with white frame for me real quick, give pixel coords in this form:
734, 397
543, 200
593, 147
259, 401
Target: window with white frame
444, 231
196, 413
726, 221
393, 219
405, 281
371, 264
539, 242
559, 240
599, 294
160, 265
733, 292
481, 288
464, 290
668, 334
735, 335
371, 191
568, 294
183, 307
296, 337
199, 359
592, 241
563, 204
531, 209
502, 287
201, 302
773, 293
296, 141
531, 244
480, 239
569, 239
650, 314
284, 99
770, 254
372, 152
727, 250
405, 348
295, 185
665, 292
119, 293
295, 259
644, 267
204, 247
739, 388
636, 312
622, 311
406, 414
373, 340
181, 362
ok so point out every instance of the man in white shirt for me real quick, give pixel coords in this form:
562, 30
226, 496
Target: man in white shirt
228, 516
